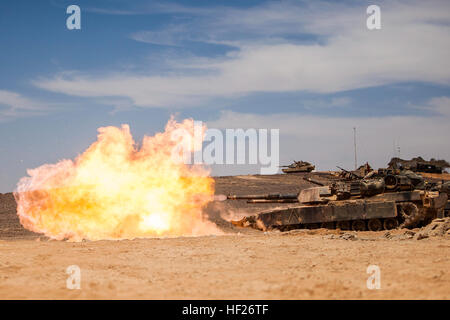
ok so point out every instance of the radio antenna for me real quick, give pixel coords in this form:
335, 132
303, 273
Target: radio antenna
354, 142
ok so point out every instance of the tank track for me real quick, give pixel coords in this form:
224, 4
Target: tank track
355, 225
409, 216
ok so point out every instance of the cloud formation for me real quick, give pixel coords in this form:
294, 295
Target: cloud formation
14, 105
284, 47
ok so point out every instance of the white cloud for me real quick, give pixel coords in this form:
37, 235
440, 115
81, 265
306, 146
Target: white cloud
171, 36
440, 105
17, 101
326, 103
413, 45
13, 105
328, 141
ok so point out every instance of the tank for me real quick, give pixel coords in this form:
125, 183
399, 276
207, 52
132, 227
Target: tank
418, 164
298, 166
445, 188
369, 204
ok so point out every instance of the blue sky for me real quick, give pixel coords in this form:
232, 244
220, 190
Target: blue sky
308, 68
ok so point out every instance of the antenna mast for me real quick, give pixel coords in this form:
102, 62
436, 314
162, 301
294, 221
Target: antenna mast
354, 142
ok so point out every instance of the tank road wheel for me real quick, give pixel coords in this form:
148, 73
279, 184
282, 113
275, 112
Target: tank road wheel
374, 225
343, 225
358, 225
327, 225
390, 223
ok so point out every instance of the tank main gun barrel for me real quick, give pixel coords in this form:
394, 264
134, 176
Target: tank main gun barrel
272, 201
314, 181
274, 196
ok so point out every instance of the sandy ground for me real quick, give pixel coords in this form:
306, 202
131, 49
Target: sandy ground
244, 264
274, 266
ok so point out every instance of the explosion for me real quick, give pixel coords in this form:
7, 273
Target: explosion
116, 190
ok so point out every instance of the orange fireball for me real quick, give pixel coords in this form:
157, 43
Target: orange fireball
115, 190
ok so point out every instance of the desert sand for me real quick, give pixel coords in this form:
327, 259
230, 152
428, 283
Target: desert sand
241, 264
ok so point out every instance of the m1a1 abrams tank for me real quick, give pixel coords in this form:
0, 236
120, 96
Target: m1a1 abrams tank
356, 205
298, 166
419, 165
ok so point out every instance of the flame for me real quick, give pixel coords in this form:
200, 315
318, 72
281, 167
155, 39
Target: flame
115, 190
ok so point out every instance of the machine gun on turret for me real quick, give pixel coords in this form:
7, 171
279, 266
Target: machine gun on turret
348, 175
